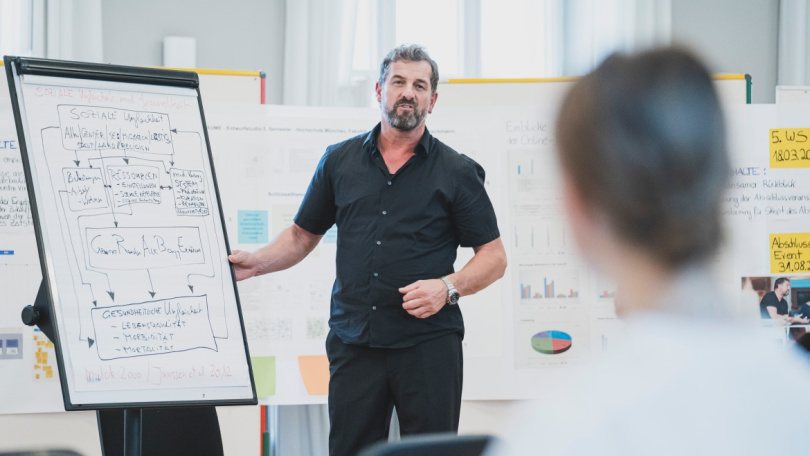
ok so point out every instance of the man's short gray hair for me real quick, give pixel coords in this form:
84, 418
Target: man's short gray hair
411, 53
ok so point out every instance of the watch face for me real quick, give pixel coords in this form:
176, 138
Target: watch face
454, 298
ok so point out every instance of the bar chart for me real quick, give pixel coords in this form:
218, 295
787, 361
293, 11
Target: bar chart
538, 285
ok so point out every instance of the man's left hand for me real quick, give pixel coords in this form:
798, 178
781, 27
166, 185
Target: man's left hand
424, 298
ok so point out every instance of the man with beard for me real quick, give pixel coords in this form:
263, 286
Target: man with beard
775, 306
403, 203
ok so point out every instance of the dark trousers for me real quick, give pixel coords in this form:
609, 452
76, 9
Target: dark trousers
423, 382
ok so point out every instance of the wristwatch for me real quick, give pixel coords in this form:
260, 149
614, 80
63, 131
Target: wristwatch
452, 293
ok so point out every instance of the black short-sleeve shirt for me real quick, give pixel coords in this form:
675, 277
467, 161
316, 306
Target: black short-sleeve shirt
394, 230
770, 300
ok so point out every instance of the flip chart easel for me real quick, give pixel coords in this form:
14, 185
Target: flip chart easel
142, 305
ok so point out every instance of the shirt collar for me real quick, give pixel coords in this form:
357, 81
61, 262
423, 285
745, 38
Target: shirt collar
370, 143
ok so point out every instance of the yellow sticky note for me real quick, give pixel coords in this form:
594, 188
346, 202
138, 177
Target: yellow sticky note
315, 373
790, 147
790, 252
264, 374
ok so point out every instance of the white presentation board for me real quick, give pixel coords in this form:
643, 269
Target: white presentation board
132, 244
28, 370
546, 290
767, 207
265, 157
286, 313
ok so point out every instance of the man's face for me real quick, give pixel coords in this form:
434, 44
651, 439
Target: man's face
784, 288
406, 97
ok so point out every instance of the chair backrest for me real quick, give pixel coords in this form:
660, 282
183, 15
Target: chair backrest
42, 453
432, 444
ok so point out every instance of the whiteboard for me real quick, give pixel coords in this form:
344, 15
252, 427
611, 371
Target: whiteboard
287, 312
131, 237
546, 286
265, 157
767, 202
28, 370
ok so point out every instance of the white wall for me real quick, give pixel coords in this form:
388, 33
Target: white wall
233, 35
734, 37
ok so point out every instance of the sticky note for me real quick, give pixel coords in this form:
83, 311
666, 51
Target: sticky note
790, 147
315, 373
790, 252
264, 374
44, 357
253, 227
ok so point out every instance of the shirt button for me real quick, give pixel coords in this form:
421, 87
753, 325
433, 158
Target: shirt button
373, 307
375, 274
378, 242
389, 182
385, 212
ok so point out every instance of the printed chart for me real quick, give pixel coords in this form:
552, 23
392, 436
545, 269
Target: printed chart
551, 342
539, 286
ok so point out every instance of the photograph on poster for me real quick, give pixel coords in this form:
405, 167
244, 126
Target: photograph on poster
782, 301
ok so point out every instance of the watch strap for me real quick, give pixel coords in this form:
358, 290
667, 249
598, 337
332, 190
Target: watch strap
452, 293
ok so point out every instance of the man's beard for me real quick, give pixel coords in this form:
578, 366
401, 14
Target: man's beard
407, 121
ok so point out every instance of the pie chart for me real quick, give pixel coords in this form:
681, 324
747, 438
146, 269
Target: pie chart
551, 342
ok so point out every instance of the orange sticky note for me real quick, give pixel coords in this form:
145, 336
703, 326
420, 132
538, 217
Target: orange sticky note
315, 373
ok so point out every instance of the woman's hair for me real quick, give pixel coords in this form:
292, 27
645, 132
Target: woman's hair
642, 139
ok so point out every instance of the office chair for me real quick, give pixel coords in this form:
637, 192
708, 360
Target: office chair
42, 453
432, 444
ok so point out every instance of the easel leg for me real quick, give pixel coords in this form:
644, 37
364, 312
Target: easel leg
132, 432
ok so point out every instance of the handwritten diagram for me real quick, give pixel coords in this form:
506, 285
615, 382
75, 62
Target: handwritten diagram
115, 169
132, 230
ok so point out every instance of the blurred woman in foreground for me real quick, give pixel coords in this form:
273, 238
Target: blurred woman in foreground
641, 144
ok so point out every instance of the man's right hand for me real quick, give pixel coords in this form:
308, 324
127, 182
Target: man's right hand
245, 264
